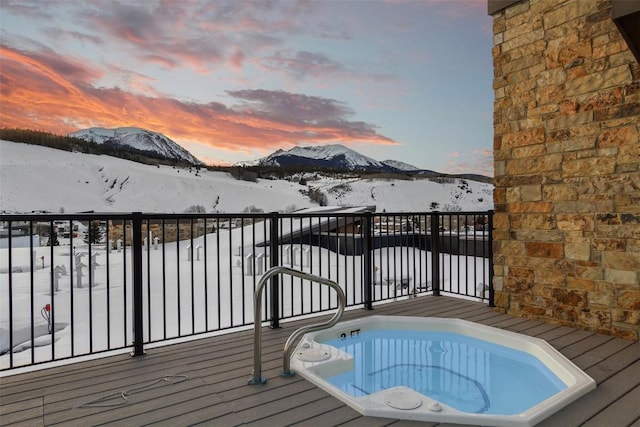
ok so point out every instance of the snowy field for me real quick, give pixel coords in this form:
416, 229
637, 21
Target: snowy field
36, 178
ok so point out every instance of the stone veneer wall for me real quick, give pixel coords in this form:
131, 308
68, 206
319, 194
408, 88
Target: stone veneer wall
567, 166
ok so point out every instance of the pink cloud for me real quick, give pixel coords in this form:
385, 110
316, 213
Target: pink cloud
52, 91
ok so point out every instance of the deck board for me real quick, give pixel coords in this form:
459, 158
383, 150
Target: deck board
218, 369
623, 411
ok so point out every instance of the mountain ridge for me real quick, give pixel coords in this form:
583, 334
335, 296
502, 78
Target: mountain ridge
340, 158
150, 147
138, 139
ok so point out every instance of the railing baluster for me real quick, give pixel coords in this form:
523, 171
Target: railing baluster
32, 293
435, 253
275, 261
490, 245
108, 284
136, 251
368, 261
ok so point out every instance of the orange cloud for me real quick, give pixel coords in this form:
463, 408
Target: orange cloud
55, 94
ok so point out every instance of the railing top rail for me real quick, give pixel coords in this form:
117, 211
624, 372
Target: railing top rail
85, 216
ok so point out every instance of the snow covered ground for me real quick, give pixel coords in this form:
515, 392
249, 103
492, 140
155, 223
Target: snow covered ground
34, 178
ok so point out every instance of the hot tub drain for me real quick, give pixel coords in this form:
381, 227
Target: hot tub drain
402, 400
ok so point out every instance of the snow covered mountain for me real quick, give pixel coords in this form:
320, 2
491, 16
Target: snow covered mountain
35, 178
138, 139
333, 156
396, 164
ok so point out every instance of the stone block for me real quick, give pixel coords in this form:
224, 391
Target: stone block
613, 245
513, 248
513, 195
525, 273
627, 135
580, 221
544, 249
567, 314
534, 310
567, 191
607, 50
608, 219
570, 297
573, 144
588, 166
551, 77
603, 298
621, 261
501, 221
530, 151
526, 38
577, 206
621, 277
567, 106
501, 299
629, 155
545, 279
568, 121
549, 95
597, 319
539, 235
569, 11
576, 71
618, 112
625, 316
578, 250
530, 207
580, 284
524, 137
627, 202
588, 270
533, 222
601, 99
531, 193
517, 284
629, 218
534, 165
618, 76
629, 300
569, 54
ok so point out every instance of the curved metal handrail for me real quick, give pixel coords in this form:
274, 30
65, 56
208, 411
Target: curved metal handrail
256, 377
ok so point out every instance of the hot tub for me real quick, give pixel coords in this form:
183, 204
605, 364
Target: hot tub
439, 370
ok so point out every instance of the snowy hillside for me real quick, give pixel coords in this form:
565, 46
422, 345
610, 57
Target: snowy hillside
139, 139
402, 166
34, 178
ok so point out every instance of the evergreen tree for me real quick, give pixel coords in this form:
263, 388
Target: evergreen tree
94, 234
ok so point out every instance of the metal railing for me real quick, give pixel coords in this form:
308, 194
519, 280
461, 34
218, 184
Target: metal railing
79, 284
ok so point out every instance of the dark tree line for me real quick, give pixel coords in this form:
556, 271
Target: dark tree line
68, 143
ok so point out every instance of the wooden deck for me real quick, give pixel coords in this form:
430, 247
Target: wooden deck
215, 391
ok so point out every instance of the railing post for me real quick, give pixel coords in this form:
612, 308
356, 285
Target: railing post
367, 253
492, 302
275, 262
136, 252
435, 253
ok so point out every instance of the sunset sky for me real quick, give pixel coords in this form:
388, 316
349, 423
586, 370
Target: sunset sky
236, 80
